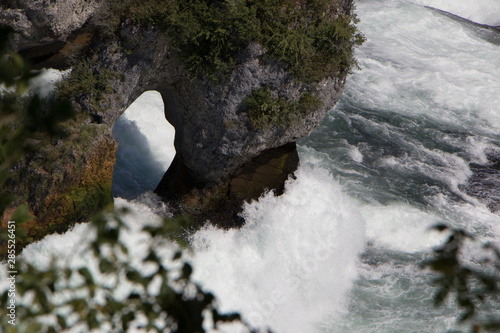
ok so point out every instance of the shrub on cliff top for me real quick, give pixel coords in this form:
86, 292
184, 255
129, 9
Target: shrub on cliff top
313, 37
266, 110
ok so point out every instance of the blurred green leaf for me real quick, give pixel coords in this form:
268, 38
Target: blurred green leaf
61, 321
21, 215
85, 273
105, 266
177, 255
469, 286
34, 328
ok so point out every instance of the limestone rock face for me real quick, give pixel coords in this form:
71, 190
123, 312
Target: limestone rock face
219, 152
214, 135
41, 22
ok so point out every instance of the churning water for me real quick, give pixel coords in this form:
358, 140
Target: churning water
339, 251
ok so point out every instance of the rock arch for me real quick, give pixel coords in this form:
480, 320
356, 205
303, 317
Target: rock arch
221, 158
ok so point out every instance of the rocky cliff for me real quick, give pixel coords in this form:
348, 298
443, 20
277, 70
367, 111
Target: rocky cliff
227, 150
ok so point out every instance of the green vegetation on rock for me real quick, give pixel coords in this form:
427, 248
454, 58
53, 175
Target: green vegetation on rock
23, 117
314, 38
53, 162
87, 81
265, 110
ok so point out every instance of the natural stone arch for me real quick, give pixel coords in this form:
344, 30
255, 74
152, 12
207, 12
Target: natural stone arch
221, 158
219, 152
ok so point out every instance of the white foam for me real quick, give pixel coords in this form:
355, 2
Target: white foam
479, 11
417, 64
146, 146
72, 250
72, 247
148, 113
355, 154
400, 227
45, 82
297, 254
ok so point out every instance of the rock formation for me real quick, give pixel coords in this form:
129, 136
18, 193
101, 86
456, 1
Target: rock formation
222, 157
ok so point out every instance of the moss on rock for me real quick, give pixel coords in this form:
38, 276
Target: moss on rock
65, 181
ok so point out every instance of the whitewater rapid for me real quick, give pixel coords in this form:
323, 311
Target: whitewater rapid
296, 254
485, 12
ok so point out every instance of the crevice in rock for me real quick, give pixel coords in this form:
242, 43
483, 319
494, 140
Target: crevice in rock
221, 203
57, 54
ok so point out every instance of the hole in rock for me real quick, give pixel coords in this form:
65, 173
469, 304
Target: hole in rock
146, 146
